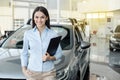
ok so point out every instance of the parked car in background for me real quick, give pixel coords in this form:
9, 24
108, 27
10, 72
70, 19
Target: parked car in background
74, 64
114, 42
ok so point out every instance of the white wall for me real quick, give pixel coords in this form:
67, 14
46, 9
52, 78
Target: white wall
93, 6
4, 3
114, 4
98, 5
5, 19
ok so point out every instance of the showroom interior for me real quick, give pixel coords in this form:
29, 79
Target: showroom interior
102, 18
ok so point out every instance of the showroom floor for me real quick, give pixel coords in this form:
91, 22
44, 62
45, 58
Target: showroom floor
105, 65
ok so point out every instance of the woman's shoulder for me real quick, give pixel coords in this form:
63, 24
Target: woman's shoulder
52, 32
28, 31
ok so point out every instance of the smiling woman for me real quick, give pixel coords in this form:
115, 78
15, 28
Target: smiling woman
39, 64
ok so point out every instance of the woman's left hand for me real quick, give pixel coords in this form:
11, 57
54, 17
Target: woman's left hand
46, 57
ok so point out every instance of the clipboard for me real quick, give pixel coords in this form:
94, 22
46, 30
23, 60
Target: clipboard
53, 45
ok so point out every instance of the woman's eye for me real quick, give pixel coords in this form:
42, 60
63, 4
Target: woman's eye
36, 17
42, 17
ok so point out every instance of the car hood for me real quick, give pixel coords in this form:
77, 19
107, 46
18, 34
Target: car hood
6, 53
10, 66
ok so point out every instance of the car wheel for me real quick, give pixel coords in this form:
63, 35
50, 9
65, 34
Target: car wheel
87, 74
78, 76
111, 49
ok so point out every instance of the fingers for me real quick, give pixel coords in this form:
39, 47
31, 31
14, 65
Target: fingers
46, 57
29, 72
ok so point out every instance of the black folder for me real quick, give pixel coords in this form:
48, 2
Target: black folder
53, 45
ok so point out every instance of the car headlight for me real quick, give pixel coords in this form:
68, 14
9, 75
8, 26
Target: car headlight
61, 74
112, 39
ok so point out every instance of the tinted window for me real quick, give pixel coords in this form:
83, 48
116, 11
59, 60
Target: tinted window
65, 33
15, 38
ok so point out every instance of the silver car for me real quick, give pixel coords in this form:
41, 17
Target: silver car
73, 65
114, 42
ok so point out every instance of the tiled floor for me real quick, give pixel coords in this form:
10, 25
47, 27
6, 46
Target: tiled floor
103, 62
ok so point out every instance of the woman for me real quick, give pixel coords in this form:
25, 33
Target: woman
38, 64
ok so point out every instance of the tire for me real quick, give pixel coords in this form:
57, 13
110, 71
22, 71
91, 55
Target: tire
87, 74
78, 76
111, 49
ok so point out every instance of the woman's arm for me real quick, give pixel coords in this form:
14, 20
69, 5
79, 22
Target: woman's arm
24, 54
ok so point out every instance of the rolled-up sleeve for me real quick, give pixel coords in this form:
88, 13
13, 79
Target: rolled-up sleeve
24, 54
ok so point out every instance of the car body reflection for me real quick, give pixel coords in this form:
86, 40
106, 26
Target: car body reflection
114, 58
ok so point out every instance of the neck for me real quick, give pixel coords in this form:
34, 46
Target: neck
40, 29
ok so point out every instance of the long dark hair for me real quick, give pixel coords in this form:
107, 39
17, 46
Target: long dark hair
43, 10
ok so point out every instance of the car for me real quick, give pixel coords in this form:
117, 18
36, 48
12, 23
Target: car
74, 64
114, 41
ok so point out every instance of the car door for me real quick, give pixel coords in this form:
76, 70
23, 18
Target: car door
81, 54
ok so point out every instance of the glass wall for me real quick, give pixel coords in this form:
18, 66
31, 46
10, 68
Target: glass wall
102, 22
15, 13
23, 11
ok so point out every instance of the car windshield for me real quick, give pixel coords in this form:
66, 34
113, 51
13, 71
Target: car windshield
117, 30
116, 35
16, 39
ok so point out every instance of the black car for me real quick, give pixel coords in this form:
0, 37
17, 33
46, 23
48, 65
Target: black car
114, 42
73, 65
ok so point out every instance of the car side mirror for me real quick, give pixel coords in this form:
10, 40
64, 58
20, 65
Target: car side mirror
84, 45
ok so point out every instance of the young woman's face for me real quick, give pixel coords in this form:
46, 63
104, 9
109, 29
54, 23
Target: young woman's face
40, 19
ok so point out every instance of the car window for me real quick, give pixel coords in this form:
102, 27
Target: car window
65, 33
117, 28
16, 39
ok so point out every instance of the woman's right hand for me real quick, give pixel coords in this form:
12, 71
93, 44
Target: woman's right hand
26, 72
